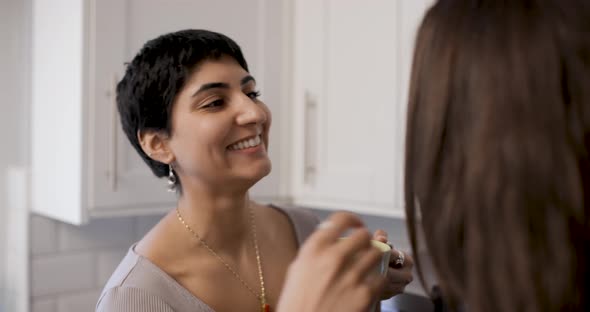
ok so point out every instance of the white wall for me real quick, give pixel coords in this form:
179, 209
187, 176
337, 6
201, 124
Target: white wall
14, 77
14, 74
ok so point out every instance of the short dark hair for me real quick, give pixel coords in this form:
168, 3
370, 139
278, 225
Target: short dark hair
498, 152
157, 74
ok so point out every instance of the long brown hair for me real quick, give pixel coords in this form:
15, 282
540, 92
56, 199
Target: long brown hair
497, 172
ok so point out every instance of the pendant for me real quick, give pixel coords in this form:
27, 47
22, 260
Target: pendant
265, 308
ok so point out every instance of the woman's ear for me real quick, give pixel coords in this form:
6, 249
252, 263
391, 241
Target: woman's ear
155, 145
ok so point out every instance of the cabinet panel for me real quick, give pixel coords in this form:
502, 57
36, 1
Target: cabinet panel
359, 74
119, 179
352, 64
409, 14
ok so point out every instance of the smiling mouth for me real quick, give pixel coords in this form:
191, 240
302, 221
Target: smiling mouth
247, 143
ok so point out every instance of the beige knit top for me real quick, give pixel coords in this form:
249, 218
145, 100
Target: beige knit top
138, 285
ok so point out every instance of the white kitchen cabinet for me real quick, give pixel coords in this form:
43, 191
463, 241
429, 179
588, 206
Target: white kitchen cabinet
351, 69
82, 164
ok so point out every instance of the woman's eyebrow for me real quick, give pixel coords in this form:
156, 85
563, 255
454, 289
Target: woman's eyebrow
247, 79
211, 85
222, 85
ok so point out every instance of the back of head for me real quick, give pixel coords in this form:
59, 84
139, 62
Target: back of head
497, 154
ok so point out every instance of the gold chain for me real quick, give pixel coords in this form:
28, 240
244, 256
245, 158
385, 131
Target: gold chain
262, 295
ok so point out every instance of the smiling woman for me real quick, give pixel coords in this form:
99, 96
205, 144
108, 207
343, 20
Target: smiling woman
191, 109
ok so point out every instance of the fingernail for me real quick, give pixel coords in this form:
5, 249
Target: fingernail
324, 225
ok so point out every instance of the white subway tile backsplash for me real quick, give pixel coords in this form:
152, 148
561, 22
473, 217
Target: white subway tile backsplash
71, 264
107, 262
62, 273
43, 235
44, 305
144, 224
102, 233
78, 302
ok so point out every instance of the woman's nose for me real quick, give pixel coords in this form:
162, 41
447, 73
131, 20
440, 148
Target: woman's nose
251, 112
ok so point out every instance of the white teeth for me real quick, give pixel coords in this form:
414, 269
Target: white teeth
246, 143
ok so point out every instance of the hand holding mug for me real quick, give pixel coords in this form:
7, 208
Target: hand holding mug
399, 273
331, 274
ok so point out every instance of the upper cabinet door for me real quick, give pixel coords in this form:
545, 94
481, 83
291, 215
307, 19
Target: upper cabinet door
118, 178
351, 71
106, 175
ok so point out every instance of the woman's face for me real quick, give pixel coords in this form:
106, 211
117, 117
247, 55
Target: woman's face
220, 128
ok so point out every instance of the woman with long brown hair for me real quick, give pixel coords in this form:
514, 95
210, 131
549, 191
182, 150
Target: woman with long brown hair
497, 161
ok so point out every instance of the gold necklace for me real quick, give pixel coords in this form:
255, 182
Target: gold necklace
265, 307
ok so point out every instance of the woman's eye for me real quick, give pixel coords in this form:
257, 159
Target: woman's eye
254, 95
214, 104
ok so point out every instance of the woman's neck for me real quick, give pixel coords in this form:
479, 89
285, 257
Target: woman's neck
224, 222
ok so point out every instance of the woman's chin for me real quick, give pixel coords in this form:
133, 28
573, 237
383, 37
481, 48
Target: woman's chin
263, 171
256, 174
